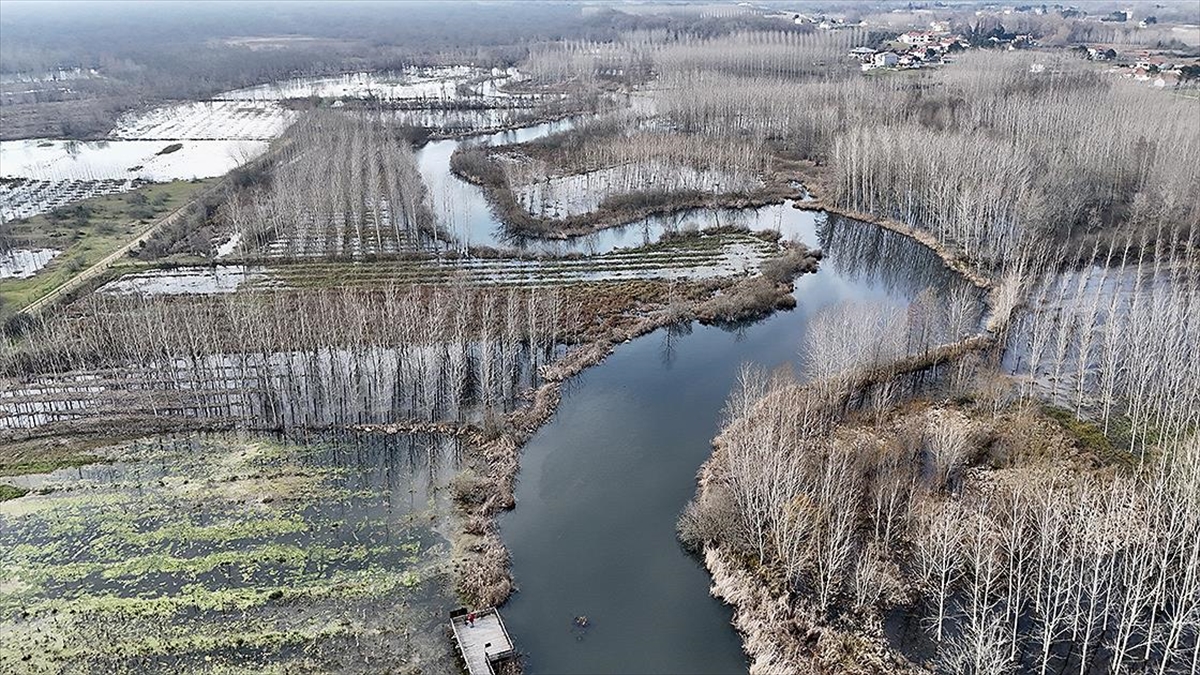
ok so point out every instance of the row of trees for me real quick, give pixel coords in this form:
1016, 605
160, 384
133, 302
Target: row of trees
317, 358
1039, 568
990, 153
774, 54
848, 338
587, 63
640, 54
1113, 338
344, 185
1007, 154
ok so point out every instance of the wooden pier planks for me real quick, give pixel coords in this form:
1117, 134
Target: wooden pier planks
483, 643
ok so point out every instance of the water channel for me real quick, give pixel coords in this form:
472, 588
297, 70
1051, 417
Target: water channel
602, 483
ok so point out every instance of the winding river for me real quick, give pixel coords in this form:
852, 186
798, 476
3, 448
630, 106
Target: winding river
603, 482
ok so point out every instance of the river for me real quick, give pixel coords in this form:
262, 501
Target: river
602, 484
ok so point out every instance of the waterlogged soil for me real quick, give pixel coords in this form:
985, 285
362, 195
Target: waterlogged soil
225, 554
709, 256
414, 84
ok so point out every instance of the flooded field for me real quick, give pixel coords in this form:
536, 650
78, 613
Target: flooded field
564, 196
322, 388
186, 281
1081, 322
23, 263
207, 120
203, 554
153, 160
428, 84
25, 197
706, 256
40, 175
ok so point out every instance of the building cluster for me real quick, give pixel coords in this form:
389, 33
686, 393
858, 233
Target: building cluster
1156, 69
820, 21
914, 49
1159, 71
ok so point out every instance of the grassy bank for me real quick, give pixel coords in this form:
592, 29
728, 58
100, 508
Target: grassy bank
85, 233
48, 454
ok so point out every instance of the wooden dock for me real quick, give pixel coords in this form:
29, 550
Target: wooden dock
484, 643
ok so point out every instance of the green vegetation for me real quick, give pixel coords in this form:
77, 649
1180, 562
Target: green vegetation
8, 492
46, 454
1086, 433
47, 465
85, 233
228, 554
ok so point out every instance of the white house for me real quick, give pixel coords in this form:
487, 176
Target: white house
885, 59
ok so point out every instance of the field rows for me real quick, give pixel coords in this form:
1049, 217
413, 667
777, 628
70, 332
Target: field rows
709, 258
208, 120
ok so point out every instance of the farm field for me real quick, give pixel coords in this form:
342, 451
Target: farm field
207, 120
414, 84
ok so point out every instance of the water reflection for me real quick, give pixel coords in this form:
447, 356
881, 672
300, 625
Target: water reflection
321, 388
463, 210
602, 484
862, 252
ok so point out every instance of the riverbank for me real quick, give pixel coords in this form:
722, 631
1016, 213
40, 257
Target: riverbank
476, 166
1008, 451
488, 487
780, 631
954, 508
816, 182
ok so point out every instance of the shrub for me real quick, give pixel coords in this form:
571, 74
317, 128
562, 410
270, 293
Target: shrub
710, 517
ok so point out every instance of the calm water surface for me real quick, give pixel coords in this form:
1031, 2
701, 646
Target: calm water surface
602, 484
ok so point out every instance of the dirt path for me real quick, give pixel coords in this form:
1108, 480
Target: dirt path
75, 282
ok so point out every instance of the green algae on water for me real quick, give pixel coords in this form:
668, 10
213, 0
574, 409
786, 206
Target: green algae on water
224, 554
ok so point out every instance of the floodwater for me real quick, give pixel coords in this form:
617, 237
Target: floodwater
23, 263
601, 485
212, 280
462, 208
57, 160
208, 554
435, 84
467, 216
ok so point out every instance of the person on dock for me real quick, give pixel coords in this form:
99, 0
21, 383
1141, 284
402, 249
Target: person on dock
471, 620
